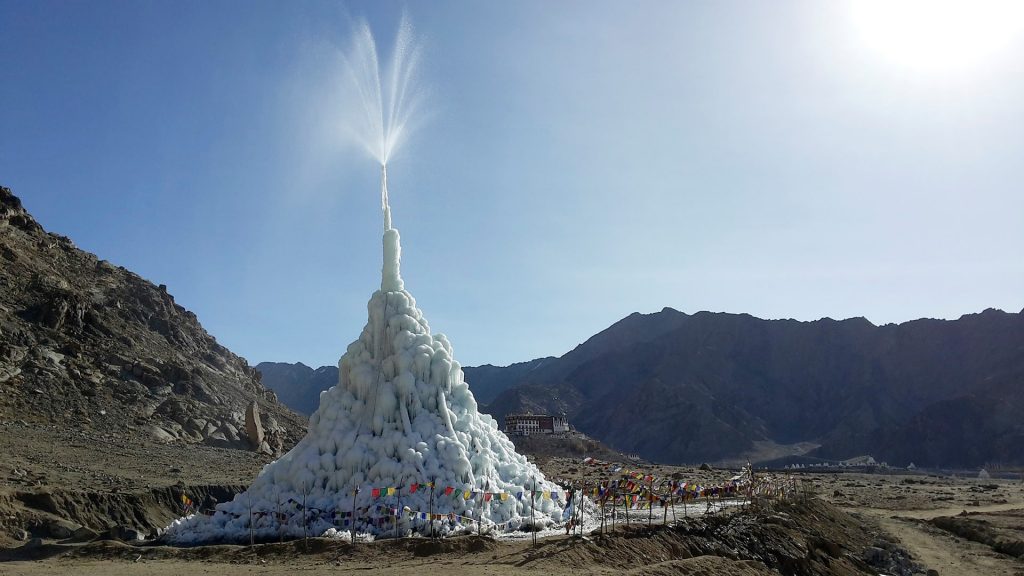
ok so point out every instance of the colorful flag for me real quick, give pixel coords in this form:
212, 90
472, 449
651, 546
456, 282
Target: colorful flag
487, 496
448, 490
504, 496
467, 495
519, 495
413, 488
546, 495
391, 491
375, 492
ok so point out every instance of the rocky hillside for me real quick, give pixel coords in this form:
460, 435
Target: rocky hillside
687, 388
90, 345
298, 386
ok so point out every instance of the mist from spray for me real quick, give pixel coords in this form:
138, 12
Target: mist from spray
385, 93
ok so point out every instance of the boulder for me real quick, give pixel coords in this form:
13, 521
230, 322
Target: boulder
84, 534
124, 534
58, 530
160, 435
253, 427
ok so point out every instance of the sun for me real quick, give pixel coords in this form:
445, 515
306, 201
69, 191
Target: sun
938, 35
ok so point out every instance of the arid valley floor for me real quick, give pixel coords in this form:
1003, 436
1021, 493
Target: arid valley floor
849, 523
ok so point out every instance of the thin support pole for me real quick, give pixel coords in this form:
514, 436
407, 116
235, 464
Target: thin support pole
398, 510
533, 506
252, 537
352, 523
304, 517
615, 500
430, 507
583, 512
650, 502
664, 511
279, 518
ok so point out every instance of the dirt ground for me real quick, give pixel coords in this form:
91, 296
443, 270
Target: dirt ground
987, 518
907, 507
39, 456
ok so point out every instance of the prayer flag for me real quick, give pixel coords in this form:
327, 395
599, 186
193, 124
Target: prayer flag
413, 488
391, 491
487, 496
448, 490
375, 493
467, 495
504, 496
519, 496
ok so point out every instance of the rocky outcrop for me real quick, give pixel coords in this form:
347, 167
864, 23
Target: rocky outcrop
254, 428
88, 344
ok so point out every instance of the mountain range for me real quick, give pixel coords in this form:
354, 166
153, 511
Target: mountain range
675, 387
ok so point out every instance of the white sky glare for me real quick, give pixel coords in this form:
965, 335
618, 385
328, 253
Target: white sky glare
575, 162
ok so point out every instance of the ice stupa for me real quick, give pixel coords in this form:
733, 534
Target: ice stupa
397, 447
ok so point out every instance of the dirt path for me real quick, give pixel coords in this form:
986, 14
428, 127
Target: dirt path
940, 550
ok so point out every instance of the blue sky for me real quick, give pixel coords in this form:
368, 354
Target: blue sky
578, 161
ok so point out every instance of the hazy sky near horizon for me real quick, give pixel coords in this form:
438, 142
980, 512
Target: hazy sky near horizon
577, 161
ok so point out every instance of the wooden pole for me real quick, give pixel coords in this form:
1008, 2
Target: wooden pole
582, 513
304, 535
398, 510
352, 523
533, 522
615, 500
673, 499
625, 502
664, 505
280, 521
650, 502
480, 514
430, 507
252, 537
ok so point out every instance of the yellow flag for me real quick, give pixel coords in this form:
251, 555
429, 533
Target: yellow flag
391, 491
467, 494
547, 495
504, 496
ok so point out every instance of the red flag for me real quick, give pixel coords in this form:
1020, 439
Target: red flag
375, 493
413, 488
487, 496
448, 491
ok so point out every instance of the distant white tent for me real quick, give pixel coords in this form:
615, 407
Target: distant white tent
911, 466
984, 475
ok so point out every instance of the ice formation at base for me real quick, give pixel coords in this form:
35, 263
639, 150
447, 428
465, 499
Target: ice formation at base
400, 415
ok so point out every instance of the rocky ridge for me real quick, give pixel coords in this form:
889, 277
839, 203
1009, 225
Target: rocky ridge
90, 345
675, 387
